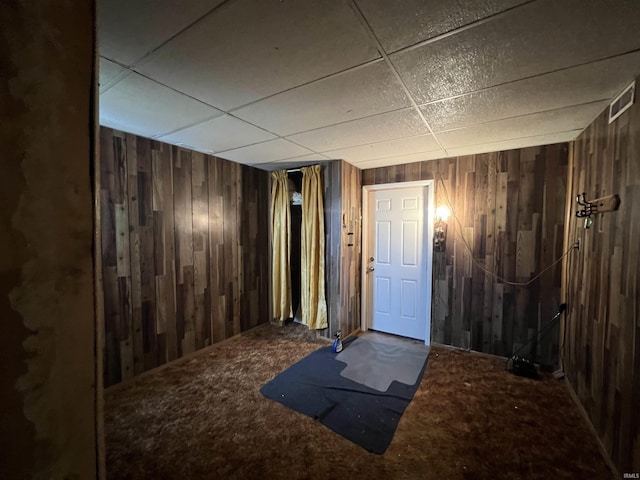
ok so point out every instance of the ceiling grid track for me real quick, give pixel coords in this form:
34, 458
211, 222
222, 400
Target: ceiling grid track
530, 77
393, 69
140, 61
455, 31
392, 83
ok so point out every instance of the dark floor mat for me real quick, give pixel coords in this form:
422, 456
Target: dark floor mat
313, 386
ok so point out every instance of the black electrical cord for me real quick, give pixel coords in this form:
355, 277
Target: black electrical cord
539, 334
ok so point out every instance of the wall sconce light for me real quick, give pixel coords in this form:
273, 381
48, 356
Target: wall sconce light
440, 229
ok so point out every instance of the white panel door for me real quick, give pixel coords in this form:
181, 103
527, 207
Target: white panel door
397, 265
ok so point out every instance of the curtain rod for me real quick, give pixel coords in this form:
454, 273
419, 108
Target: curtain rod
291, 170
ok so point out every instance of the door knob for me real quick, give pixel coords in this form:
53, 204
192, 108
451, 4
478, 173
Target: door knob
370, 269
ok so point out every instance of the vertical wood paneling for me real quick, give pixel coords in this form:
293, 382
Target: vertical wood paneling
184, 251
229, 237
200, 222
254, 238
333, 243
166, 275
603, 286
112, 370
134, 252
123, 271
216, 252
236, 263
351, 245
343, 226
514, 229
144, 228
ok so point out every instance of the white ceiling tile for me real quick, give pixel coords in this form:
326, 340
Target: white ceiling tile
355, 94
328, 91
128, 30
278, 149
109, 73
150, 109
536, 38
400, 24
562, 120
219, 134
533, 141
250, 49
400, 160
587, 83
313, 157
387, 126
389, 148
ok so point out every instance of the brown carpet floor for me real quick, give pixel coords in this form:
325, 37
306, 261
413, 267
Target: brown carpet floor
470, 419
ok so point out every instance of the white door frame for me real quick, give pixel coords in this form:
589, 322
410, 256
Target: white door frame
427, 237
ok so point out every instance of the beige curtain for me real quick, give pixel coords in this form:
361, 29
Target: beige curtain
314, 305
281, 244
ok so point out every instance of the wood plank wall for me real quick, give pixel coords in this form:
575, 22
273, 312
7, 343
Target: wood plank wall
184, 251
511, 210
333, 242
602, 353
343, 210
351, 254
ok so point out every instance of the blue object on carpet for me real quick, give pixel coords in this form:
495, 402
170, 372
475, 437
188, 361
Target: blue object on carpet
313, 386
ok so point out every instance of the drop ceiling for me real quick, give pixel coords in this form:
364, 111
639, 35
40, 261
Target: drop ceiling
282, 83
